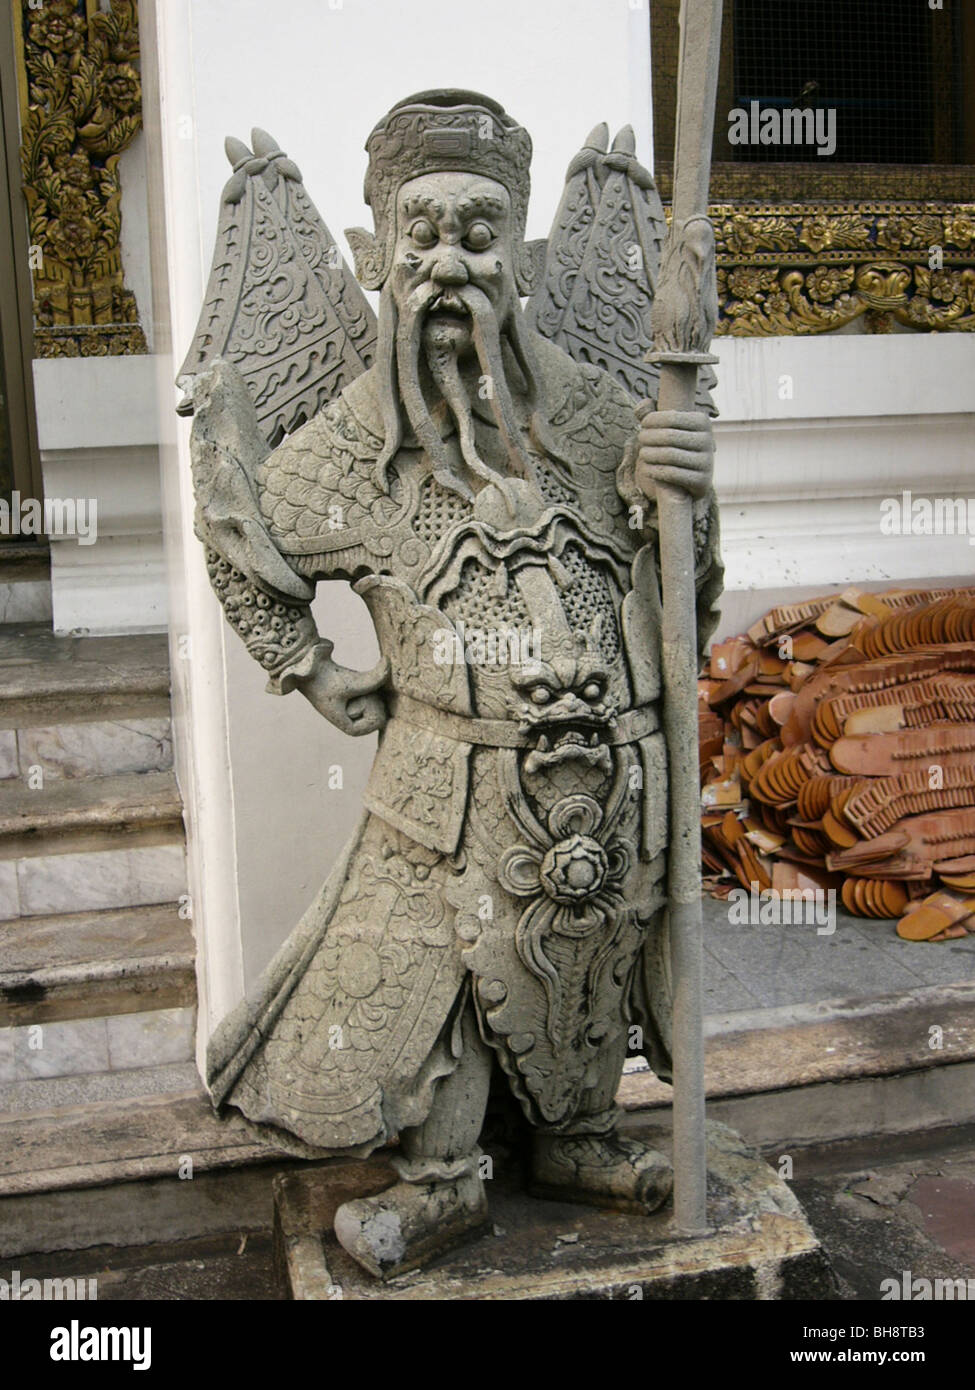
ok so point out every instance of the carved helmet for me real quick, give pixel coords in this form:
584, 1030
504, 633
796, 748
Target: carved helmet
433, 132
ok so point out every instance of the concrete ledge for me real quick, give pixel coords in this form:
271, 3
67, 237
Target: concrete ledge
96, 402
801, 1044
111, 1142
811, 1073
138, 1213
781, 1122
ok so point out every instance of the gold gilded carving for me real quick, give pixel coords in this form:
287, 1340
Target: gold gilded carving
797, 268
795, 255
81, 105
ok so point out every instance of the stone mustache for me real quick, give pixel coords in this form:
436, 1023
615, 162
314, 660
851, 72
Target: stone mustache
466, 462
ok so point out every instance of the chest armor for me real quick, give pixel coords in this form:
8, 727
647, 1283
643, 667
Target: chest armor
524, 743
518, 630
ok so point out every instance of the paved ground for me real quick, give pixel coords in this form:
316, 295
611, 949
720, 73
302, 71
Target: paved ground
749, 967
238, 1266
886, 1207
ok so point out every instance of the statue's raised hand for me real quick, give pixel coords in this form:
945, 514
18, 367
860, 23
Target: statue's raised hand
348, 699
675, 447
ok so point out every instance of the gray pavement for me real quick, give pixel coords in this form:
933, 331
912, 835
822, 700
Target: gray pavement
899, 1208
752, 966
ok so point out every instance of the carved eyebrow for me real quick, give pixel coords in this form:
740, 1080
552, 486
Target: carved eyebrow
423, 202
480, 202
469, 206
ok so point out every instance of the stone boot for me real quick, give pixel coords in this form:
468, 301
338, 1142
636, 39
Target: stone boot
408, 1224
600, 1171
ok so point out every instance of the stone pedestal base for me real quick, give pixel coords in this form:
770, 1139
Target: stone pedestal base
760, 1246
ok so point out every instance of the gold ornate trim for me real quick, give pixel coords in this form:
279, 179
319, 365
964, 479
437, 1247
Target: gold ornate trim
796, 255
824, 181
797, 268
81, 106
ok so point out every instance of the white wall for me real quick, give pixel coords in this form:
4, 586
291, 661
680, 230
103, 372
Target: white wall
263, 827
813, 434
318, 78
98, 431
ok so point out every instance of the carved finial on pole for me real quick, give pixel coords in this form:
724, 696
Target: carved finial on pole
685, 310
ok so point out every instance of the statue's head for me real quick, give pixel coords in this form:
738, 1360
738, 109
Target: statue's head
443, 138
448, 186
452, 256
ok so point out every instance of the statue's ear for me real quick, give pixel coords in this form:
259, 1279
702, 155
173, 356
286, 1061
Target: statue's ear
530, 265
368, 257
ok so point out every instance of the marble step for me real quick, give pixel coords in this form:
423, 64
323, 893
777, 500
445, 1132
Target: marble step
73, 1051
48, 681
39, 1094
89, 964
90, 806
120, 1141
90, 844
74, 748
137, 871
82, 707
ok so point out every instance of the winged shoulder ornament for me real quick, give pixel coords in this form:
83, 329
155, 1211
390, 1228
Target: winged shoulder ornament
596, 291
281, 304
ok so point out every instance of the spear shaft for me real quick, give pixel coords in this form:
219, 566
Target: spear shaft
685, 309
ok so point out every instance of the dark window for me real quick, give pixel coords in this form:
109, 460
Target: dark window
899, 75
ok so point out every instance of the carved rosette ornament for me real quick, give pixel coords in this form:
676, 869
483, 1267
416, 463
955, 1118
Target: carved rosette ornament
81, 106
797, 268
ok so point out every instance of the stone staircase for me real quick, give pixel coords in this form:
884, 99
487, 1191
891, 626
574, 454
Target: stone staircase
102, 1112
97, 987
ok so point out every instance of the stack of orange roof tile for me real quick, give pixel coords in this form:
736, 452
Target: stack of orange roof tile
837, 742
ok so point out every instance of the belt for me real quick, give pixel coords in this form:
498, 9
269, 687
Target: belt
634, 724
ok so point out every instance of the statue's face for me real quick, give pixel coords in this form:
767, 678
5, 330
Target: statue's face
454, 229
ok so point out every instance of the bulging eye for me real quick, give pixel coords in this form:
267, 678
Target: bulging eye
592, 691
424, 234
479, 236
541, 695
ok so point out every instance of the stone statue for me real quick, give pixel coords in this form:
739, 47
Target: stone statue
484, 475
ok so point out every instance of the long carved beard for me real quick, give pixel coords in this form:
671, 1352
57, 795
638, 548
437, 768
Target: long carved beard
400, 345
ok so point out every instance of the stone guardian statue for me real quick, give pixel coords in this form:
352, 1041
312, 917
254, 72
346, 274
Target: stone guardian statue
481, 472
